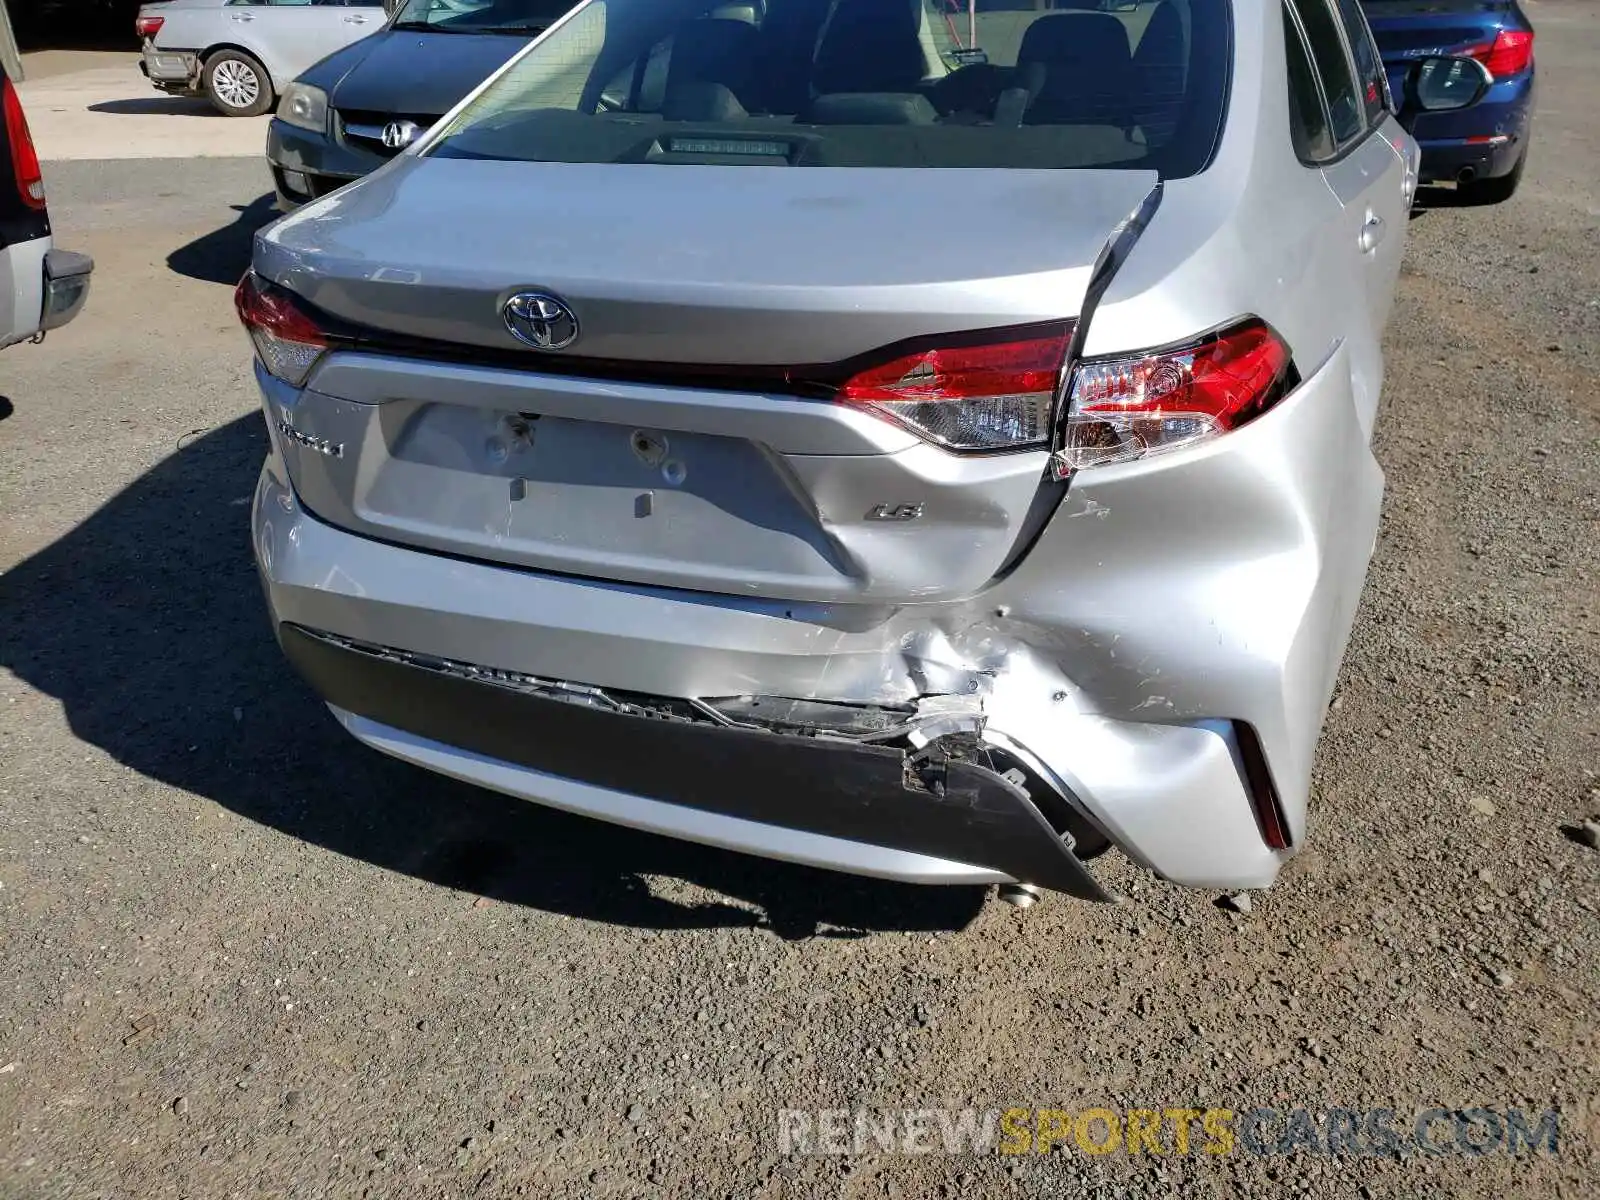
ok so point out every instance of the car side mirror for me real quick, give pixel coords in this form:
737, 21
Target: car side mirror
1443, 83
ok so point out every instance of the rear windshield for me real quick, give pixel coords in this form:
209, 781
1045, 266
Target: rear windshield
864, 83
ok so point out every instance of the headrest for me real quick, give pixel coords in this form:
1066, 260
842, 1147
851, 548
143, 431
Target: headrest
1076, 37
870, 46
1163, 36
713, 50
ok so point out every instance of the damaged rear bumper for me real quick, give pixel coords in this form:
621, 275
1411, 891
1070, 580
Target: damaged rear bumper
170, 70
736, 787
1163, 612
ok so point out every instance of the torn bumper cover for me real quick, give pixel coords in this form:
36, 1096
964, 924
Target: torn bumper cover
957, 811
170, 70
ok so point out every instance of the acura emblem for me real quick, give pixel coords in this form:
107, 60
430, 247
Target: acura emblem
397, 135
540, 320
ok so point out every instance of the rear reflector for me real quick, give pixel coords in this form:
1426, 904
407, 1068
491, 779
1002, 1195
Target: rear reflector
24, 158
993, 390
1134, 406
148, 27
1263, 792
288, 339
1509, 53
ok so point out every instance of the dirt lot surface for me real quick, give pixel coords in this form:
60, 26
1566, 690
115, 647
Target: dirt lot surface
88, 105
244, 956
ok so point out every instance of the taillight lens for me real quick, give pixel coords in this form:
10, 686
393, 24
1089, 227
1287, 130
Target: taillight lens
1509, 53
991, 391
286, 336
24, 158
148, 27
1131, 407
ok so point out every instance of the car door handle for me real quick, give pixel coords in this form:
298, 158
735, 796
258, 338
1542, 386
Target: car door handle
358, 19
243, 17
1371, 233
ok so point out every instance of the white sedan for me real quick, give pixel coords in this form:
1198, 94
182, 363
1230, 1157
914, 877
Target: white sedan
240, 54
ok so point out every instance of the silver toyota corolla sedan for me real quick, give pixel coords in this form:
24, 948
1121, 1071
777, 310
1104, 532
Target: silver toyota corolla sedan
933, 444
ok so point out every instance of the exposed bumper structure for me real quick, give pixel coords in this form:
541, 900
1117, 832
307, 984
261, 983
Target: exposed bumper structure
832, 790
171, 70
1116, 662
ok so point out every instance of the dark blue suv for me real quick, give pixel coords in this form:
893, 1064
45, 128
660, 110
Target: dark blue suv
1482, 149
362, 105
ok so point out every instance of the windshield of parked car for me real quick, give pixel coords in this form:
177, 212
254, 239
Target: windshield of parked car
480, 16
863, 83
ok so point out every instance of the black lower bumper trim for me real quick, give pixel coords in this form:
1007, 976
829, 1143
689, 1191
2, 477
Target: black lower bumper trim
839, 789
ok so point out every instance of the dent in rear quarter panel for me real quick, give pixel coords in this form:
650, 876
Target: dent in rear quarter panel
1214, 584
1350, 498
1254, 549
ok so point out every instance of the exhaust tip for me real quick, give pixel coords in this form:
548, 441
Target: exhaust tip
1466, 174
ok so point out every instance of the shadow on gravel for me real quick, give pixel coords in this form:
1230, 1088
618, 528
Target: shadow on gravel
175, 106
146, 623
223, 255
1432, 195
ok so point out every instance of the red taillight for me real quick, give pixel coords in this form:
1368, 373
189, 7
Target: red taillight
1132, 406
24, 158
986, 391
287, 338
148, 27
1509, 53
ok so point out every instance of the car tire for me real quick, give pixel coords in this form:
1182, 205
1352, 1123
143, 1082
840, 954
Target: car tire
1492, 191
237, 84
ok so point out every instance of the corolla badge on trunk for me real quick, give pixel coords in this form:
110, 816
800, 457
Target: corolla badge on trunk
540, 320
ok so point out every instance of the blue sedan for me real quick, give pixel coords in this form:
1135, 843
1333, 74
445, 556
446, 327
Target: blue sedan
359, 107
1481, 149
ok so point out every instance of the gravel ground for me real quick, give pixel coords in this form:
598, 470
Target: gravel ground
246, 957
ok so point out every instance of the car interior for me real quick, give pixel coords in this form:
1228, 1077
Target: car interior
900, 62
1141, 84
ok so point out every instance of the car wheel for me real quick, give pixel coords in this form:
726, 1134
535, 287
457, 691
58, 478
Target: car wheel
237, 85
1493, 191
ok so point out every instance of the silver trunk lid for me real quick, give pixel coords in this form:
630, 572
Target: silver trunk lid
638, 478
703, 264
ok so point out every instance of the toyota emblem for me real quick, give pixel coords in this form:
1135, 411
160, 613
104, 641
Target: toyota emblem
540, 320
397, 135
